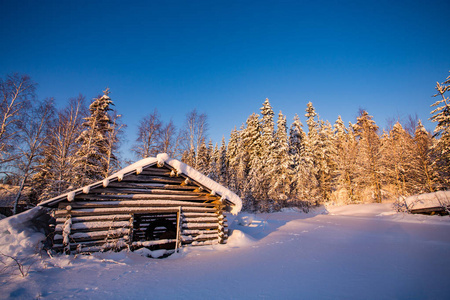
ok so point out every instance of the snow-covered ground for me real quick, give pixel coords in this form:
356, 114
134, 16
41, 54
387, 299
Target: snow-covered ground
347, 252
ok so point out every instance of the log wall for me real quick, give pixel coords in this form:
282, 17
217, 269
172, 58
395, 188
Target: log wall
118, 215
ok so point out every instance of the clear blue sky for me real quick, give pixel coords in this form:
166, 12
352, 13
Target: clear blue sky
225, 57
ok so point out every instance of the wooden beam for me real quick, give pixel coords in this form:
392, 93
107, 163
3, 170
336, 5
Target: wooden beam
156, 179
138, 203
145, 185
136, 210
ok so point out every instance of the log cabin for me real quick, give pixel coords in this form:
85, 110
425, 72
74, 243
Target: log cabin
157, 203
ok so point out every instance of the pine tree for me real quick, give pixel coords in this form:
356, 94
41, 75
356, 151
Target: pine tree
441, 115
94, 146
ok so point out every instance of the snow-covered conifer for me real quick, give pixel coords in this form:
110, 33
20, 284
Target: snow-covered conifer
279, 172
369, 169
345, 162
234, 154
424, 176
397, 158
222, 164
94, 146
441, 115
203, 158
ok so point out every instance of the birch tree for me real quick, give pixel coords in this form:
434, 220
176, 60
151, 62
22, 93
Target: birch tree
33, 128
16, 92
194, 131
149, 136
57, 166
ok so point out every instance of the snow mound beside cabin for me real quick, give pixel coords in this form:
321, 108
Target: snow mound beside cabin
21, 235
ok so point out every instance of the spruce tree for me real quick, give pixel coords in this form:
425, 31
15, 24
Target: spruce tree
441, 115
250, 164
398, 157
424, 176
345, 162
296, 149
222, 164
369, 169
233, 155
94, 146
279, 168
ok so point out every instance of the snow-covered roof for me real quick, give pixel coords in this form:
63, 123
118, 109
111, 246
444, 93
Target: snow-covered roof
429, 200
160, 159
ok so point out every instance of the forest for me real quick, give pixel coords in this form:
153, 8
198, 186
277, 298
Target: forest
269, 164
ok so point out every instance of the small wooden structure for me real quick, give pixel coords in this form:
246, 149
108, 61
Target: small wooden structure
430, 203
158, 203
8, 195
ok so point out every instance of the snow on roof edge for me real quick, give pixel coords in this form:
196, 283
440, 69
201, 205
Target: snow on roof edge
215, 187
161, 158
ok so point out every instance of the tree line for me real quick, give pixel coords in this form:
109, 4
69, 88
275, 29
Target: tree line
268, 165
272, 166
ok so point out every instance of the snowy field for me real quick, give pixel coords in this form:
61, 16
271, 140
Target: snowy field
348, 252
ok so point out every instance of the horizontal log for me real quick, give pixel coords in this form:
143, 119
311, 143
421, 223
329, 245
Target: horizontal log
107, 218
89, 243
200, 225
211, 242
94, 226
136, 203
155, 179
145, 197
94, 235
200, 237
429, 210
144, 185
193, 232
198, 214
153, 243
122, 210
156, 172
201, 219
156, 191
